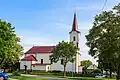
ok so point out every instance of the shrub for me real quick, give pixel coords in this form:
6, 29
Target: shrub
56, 71
97, 71
16, 74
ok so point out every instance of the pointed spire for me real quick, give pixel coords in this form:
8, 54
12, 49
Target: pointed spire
75, 25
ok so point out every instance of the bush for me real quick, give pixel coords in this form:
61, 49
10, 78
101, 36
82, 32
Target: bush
16, 74
56, 71
97, 71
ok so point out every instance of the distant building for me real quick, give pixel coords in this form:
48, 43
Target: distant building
37, 58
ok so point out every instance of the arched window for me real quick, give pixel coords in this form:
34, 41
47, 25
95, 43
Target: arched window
74, 38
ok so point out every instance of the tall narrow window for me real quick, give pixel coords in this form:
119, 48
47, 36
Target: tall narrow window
77, 44
74, 38
41, 61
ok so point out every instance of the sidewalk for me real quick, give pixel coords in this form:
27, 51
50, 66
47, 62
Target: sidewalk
12, 79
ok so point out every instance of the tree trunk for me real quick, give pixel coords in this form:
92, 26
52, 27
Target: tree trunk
65, 70
110, 73
118, 73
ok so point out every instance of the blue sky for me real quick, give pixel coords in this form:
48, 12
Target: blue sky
46, 22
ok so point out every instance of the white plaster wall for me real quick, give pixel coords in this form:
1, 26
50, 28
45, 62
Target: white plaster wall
76, 35
70, 66
57, 66
22, 63
44, 56
39, 67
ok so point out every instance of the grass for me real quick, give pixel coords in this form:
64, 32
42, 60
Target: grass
26, 78
73, 78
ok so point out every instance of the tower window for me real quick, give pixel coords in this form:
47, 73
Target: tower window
74, 38
77, 44
41, 61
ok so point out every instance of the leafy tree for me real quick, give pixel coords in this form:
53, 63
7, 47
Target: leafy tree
65, 51
10, 48
86, 63
104, 39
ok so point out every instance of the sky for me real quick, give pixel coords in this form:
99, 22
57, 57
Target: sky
47, 22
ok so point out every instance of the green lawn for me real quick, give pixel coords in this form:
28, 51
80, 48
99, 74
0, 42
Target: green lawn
26, 78
75, 78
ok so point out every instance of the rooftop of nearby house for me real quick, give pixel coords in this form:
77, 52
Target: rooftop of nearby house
40, 49
93, 66
29, 58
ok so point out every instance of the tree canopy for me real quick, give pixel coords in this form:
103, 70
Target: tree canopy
65, 51
104, 39
10, 48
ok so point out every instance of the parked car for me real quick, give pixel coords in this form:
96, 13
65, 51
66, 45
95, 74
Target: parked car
100, 76
3, 76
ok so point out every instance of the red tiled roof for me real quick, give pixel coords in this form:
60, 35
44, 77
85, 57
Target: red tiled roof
40, 49
29, 58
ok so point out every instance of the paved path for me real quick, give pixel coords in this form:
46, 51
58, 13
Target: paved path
49, 78
12, 79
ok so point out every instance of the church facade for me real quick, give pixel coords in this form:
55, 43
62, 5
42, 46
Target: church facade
37, 58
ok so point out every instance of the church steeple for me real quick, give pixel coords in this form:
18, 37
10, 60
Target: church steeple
74, 37
75, 24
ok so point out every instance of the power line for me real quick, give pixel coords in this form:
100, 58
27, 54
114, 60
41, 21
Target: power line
104, 5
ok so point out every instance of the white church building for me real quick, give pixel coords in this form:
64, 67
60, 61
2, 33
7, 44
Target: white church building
37, 58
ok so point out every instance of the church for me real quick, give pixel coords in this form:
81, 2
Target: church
37, 57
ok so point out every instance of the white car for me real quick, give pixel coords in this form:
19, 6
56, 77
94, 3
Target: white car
100, 76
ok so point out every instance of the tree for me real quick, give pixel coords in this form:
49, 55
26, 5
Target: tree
104, 39
66, 52
86, 63
10, 48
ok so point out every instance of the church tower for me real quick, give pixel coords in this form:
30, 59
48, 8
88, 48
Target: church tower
74, 37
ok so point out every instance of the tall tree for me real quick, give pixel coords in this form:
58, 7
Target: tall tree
104, 39
10, 48
66, 52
